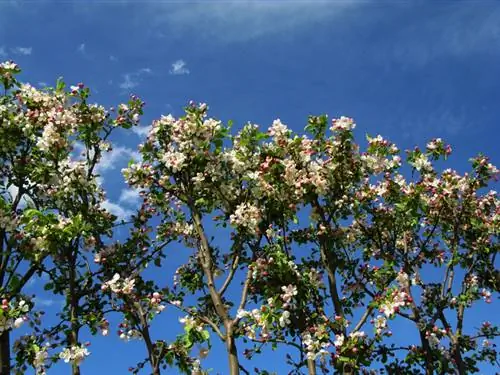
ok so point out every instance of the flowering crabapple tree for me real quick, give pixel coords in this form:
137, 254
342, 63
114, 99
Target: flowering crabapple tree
51, 212
298, 241
326, 241
380, 237
139, 300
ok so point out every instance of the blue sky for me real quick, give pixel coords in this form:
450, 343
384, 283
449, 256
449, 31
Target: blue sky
410, 71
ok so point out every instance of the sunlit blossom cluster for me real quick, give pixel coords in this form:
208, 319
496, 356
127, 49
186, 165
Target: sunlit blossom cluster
118, 285
74, 354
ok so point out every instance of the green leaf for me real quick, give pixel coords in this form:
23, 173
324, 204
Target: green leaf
60, 85
205, 334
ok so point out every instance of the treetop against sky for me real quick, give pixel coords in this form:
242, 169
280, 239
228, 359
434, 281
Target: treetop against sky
194, 240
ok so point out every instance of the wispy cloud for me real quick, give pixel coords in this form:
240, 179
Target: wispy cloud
44, 302
442, 122
130, 197
131, 80
451, 31
36, 279
118, 157
120, 212
2, 52
424, 34
241, 20
179, 68
26, 51
82, 49
141, 131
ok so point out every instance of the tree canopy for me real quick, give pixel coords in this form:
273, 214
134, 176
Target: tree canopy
305, 241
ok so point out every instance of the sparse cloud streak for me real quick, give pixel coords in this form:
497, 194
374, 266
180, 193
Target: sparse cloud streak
120, 212
82, 48
179, 68
133, 79
26, 51
243, 20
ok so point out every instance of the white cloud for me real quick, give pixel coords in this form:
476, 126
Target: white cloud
141, 131
443, 123
26, 51
37, 279
421, 40
130, 196
242, 20
131, 80
82, 49
113, 58
43, 302
411, 34
128, 83
118, 157
179, 68
120, 212
2, 52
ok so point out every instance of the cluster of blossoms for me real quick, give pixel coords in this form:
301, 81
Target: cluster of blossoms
126, 333
284, 319
394, 301
289, 292
8, 221
246, 216
106, 253
174, 160
339, 340
104, 326
380, 324
179, 228
8, 68
434, 336
403, 280
343, 123
13, 314
155, 302
315, 342
75, 354
260, 267
255, 319
422, 163
278, 130
192, 323
41, 356
486, 295
315, 348
117, 285
61, 122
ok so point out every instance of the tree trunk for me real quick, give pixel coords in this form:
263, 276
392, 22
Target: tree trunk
234, 365
429, 367
205, 258
74, 302
5, 353
311, 366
